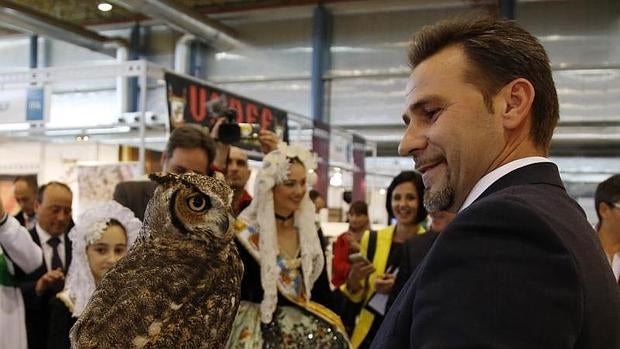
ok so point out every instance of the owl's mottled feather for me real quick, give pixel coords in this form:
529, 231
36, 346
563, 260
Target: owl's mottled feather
179, 285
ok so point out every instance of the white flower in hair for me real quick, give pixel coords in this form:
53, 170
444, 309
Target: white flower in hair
276, 164
299, 151
95, 231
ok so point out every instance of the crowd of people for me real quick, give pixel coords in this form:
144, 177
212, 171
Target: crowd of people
484, 247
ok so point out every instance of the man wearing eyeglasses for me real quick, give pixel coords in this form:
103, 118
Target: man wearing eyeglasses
607, 201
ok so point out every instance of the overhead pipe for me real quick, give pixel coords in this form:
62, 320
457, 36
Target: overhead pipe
203, 28
181, 53
31, 21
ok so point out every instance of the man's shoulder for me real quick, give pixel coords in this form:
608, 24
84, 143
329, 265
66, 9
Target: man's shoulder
136, 183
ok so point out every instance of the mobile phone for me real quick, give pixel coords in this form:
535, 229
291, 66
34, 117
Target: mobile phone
357, 257
248, 130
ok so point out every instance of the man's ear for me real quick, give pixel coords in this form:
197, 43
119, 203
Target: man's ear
603, 210
517, 98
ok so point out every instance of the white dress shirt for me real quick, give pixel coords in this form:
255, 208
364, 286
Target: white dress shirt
487, 180
47, 249
615, 265
29, 221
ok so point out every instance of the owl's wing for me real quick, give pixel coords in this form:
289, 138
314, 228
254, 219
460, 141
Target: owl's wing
204, 318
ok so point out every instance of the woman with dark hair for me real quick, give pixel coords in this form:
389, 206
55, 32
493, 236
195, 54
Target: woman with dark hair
371, 279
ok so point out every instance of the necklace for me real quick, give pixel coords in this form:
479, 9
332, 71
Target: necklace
282, 218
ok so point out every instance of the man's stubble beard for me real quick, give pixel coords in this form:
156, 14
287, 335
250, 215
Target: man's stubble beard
440, 199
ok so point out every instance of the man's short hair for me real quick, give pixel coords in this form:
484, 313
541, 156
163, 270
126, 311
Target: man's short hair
608, 191
191, 136
42, 189
30, 180
499, 51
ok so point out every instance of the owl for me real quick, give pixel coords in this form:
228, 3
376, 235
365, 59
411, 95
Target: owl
179, 285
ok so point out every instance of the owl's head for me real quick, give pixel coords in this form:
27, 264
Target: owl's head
192, 205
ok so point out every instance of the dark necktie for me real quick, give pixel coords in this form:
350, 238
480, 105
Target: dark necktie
56, 261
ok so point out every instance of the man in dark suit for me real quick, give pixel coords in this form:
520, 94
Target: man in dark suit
53, 208
519, 266
416, 248
25, 192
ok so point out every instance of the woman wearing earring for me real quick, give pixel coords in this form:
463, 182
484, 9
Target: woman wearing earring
285, 291
101, 237
370, 280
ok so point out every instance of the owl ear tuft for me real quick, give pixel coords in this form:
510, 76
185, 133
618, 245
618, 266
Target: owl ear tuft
162, 177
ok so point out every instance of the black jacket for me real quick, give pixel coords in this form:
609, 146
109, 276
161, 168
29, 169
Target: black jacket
519, 268
37, 306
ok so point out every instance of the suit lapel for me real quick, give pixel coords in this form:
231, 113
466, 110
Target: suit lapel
35, 236
67, 252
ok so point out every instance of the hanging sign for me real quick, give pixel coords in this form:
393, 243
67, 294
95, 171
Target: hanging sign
195, 102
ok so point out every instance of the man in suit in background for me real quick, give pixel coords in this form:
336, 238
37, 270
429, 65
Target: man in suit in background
25, 192
190, 148
237, 175
53, 207
607, 203
519, 266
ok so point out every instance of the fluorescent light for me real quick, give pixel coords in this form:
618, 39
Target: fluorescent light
106, 130
14, 127
104, 7
63, 132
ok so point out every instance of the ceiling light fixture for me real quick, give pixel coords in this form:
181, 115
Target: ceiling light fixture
104, 7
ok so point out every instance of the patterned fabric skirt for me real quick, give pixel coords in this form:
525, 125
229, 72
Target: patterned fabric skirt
292, 327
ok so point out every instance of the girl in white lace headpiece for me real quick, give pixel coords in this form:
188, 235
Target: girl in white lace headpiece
261, 213
86, 235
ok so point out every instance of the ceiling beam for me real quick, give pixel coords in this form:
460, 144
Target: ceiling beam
180, 18
27, 20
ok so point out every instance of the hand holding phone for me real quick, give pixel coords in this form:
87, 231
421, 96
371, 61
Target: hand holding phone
357, 257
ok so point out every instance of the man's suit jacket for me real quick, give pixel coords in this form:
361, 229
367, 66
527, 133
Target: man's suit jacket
37, 315
519, 268
414, 251
135, 195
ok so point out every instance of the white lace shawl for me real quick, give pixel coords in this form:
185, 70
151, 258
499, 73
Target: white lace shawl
261, 214
88, 229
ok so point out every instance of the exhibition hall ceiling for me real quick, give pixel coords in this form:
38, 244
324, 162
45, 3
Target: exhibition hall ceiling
86, 13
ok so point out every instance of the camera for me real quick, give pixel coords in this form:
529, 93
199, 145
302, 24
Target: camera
229, 131
249, 130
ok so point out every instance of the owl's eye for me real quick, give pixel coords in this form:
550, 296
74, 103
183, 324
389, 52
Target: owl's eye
198, 202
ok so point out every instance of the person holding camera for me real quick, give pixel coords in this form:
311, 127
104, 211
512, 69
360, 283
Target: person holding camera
235, 159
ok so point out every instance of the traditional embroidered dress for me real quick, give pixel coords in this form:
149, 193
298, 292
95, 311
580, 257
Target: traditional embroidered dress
277, 291
297, 322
